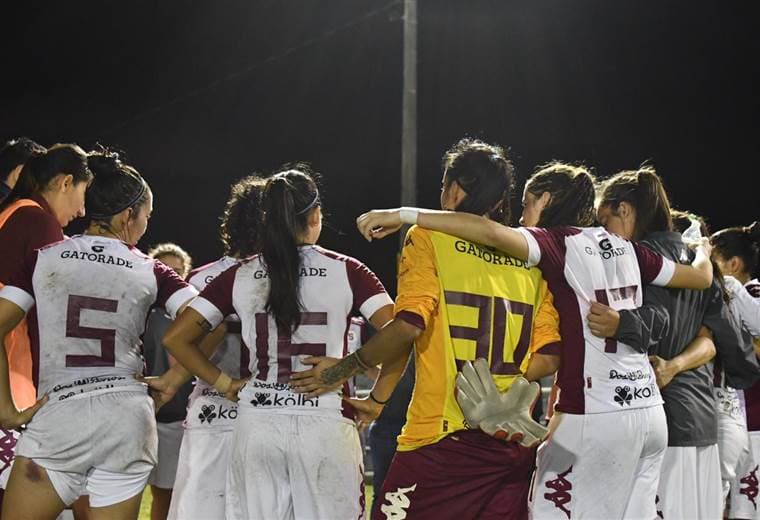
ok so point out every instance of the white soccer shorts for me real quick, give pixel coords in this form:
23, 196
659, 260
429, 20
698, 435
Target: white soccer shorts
169, 442
733, 446
604, 465
199, 491
102, 445
743, 500
690, 483
287, 466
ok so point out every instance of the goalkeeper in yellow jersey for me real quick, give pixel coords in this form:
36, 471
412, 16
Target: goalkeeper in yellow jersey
459, 301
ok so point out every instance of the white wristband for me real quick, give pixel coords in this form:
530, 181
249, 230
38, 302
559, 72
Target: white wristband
222, 383
408, 215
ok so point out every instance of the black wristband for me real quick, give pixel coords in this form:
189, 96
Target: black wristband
382, 403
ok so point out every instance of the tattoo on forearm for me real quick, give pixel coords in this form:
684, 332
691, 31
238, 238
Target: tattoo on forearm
205, 325
348, 367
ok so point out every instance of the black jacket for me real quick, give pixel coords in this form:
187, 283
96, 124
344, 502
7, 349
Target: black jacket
666, 324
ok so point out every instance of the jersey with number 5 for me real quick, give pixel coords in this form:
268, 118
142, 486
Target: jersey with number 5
332, 287
583, 265
470, 302
88, 298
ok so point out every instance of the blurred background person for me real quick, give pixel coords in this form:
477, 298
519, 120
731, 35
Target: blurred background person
170, 416
13, 155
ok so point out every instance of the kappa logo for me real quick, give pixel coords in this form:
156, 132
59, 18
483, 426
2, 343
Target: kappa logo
397, 503
561, 496
7, 449
207, 413
752, 488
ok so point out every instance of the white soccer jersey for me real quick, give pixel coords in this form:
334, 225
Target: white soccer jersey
206, 407
583, 265
89, 298
745, 303
332, 288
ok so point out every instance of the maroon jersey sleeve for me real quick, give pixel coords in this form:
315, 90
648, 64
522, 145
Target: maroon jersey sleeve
173, 291
546, 247
369, 293
655, 269
215, 301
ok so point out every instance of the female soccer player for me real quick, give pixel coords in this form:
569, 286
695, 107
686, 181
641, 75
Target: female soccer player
610, 436
736, 251
292, 456
459, 300
87, 299
199, 490
634, 205
46, 197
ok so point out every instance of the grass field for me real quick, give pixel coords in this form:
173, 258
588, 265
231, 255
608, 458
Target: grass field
148, 499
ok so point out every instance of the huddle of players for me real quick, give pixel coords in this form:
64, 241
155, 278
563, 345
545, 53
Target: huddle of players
532, 306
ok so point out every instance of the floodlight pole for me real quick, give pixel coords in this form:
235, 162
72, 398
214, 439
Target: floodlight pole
409, 109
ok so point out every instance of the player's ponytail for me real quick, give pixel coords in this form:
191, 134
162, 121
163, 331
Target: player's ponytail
742, 242
40, 169
287, 201
572, 192
485, 174
117, 186
242, 215
644, 191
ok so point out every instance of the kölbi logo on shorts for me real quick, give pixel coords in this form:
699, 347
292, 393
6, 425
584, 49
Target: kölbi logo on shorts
268, 399
625, 394
208, 413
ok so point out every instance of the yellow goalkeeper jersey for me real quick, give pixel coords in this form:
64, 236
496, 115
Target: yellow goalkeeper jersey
471, 302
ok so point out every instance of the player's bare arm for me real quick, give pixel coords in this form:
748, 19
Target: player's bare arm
541, 365
10, 417
389, 344
164, 387
698, 275
697, 353
381, 223
183, 339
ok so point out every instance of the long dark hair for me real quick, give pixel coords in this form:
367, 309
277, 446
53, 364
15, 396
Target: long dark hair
117, 186
39, 170
642, 189
742, 242
288, 198
483, 171
572, 193
242, 213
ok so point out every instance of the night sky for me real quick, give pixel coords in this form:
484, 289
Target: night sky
200, 94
